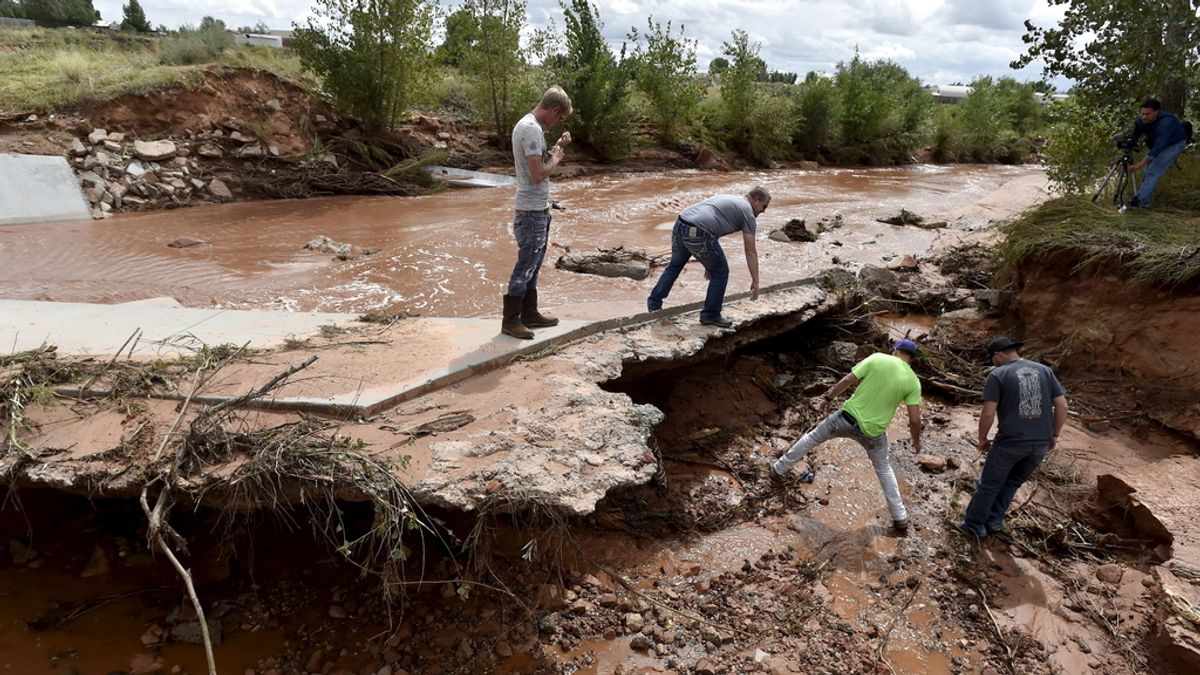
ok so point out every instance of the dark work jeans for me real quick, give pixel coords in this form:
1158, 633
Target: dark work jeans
532, 232
1004, 471
688, 241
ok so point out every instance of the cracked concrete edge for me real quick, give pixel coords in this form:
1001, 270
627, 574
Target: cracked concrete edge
566, 450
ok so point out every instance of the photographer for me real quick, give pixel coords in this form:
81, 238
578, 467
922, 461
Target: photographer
1166, 138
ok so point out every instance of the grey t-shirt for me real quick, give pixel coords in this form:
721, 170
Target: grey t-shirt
528, 140
721, 215
1023, 391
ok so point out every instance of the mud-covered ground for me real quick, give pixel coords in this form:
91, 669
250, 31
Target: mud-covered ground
710, 569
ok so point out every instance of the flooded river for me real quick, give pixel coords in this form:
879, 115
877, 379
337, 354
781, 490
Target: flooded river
449, 254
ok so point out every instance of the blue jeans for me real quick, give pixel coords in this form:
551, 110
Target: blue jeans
689, 241
1006, 469
532, 232
838, 425
1155, 171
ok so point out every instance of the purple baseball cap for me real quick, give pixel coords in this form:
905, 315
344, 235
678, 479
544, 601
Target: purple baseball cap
907, 346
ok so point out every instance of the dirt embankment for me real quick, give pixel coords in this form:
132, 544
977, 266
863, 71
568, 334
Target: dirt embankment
1137, 345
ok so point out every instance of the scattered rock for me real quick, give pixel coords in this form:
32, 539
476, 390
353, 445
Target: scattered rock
705, 159
274, 105
154, 151
932, 463
239, 137
706, 666
327, 245
830, 223
1110, 574
794, 230
809, 165
634, 621
614, 262
879, 282
641, 643
187, 242
250, 151
97, 136
76, 148
210, 151
218, 189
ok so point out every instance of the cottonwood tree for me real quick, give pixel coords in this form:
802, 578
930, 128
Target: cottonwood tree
1120, 51
73, 12
134, 18
596, 81
493, 59
373, 56
737, 85
664, 69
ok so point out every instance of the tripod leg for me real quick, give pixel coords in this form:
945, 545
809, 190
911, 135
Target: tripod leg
1112, 172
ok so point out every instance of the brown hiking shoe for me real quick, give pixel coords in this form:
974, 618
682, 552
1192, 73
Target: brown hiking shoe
530, 316
511, 325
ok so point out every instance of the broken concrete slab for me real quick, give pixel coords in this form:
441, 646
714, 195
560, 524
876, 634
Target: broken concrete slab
80, 328
39, 188
612, 262
541, 430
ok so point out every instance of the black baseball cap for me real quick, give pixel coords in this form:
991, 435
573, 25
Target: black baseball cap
1001, 343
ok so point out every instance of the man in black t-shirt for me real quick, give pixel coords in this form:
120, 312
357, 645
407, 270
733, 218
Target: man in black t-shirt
1032, 407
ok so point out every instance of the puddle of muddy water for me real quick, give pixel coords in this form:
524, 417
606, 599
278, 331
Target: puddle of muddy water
449, 254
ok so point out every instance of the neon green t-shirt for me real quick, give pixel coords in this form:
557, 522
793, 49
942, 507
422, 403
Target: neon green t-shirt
884, 381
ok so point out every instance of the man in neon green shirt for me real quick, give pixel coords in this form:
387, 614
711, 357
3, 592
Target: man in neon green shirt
883, 382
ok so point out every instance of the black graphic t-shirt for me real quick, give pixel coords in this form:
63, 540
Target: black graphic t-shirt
1023, 391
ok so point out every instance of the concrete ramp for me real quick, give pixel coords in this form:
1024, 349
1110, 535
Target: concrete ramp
39, 188
165, 326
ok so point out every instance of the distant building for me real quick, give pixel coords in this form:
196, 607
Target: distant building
107, 25
258, 39
953, 93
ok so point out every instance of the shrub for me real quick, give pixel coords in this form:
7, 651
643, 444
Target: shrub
816, 116
665, 72
373, 58
597, 83
770, 128
882, 112
74, 66
191, 46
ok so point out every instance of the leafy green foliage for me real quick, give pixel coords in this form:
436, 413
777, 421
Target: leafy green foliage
1080, 147
883, 112
816, 116
737, 86
493, 60
373, 56
597, 83
1118, 51
462, 33
68, 12
191, 46
664, 68
718, 65
12, 9
134, 18
770, 126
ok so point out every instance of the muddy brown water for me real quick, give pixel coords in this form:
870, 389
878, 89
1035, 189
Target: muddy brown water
450, 253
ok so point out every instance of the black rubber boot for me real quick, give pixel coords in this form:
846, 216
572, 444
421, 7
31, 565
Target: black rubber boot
512, 324
530, 316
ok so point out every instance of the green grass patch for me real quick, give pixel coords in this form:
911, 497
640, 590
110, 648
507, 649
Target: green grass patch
49, 69
1155, 247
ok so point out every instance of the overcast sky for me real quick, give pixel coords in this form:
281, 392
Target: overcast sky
938, 41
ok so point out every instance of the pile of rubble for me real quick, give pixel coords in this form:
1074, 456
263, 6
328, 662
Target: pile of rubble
119, 174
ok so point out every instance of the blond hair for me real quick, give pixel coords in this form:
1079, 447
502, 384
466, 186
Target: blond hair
555, 97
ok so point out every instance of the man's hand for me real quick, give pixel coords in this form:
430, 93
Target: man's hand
754, 290
556, 154
564, 140
1140, 164
983, 445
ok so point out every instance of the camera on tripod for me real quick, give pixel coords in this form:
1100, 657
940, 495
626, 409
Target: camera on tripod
1125, 140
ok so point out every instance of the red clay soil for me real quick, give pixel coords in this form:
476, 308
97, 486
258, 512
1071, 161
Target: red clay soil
1102, 324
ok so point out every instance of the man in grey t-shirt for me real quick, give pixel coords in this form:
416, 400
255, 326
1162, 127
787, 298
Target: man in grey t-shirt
531, 225
696, 233
1032, 407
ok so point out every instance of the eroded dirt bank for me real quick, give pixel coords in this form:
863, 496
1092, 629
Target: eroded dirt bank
707, 569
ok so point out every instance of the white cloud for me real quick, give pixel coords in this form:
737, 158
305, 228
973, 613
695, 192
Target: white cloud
936, 40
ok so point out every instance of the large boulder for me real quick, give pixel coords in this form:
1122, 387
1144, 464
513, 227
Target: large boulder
795, 230
879, 282
154, 151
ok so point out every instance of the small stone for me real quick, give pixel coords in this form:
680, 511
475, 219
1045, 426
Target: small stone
640, 643
76, 148
210, 151
98, 565
634, 621
112, 145
503, 650
97, 136
218, 189
154, 151
493, 486
706, 666
274, 105
1110, 574
187, 242
932, 463
315, 661
337, 612
607, 600
251, 151
116, 137
240, 137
